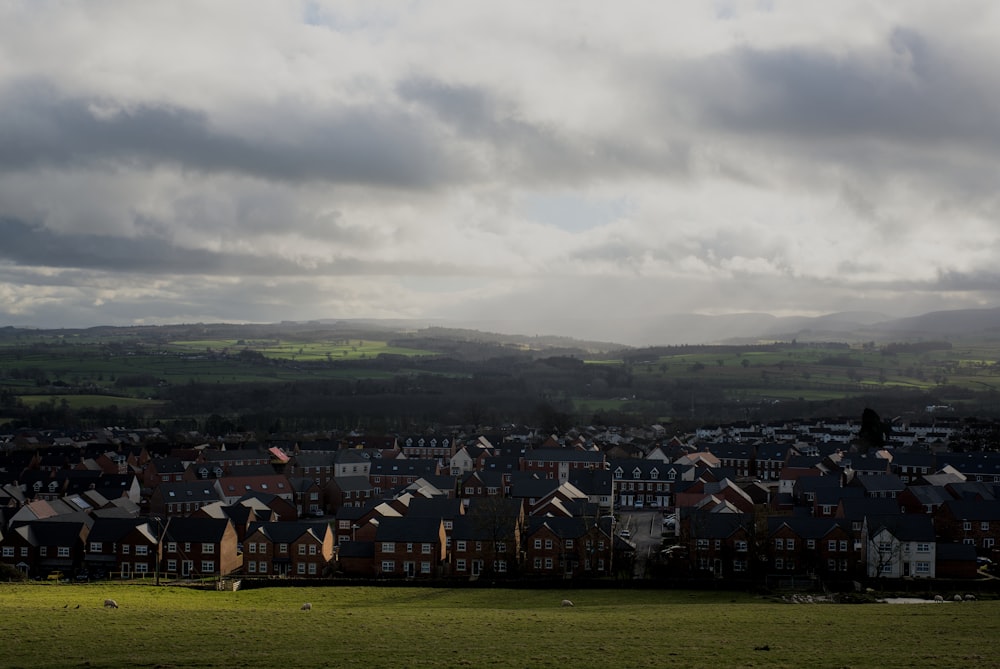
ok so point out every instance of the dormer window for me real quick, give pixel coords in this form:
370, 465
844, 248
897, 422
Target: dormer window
654, 474
672, 474
618, 473
636, 473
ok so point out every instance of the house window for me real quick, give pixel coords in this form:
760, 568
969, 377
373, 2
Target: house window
96, 547
252, 566
702, 544
171, 546
142, 550
62, 551
538, 543
501, 547
312, 549
923, 567
741, 546
252, 548
789, 544
988, 542
460, 565
388, 547
207, 567
811, 544
984, 526
779, 544
500, 566
460, 546
779, 563
409, 547
843, 545
262, 567
301, 568
548, 544
172, 565
569, 543
208, 549
312, 568
141, 567
425, 567
831, 546
24, 551
8, 551
538, 563
831, 565
923, 548
125, 549
282, 548
43, 551
548, 563
388, 566
739, 565
887, 568
967, 525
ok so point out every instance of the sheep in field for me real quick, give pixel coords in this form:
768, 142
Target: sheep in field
970, 598
306, 607
110, 604
957, 598
566, 602
938, 598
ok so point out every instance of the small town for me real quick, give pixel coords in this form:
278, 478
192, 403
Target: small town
804, 505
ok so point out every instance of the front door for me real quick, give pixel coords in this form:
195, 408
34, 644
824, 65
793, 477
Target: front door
409, 569
187, 566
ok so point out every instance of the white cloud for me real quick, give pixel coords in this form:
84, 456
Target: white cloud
272, 160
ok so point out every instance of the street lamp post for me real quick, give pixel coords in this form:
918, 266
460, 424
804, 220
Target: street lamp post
159, 542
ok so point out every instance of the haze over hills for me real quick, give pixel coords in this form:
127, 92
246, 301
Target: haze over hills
679, 329
596, 334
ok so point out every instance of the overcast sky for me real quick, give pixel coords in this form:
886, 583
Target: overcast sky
542, 166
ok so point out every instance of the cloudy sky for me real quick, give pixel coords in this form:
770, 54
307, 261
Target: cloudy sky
546, 167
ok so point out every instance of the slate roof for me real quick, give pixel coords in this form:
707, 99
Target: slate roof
205, 530
424, 530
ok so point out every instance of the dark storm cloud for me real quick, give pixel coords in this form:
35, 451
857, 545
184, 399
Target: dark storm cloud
34, 245
369, 145
533, 152
907, 90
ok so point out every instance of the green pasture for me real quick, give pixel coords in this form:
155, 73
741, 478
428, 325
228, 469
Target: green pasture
66, 625
305, 351
90, 401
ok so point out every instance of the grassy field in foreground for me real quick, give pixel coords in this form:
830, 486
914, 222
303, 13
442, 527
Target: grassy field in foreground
420, 627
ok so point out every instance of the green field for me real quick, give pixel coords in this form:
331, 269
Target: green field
421, 627
302, 350
91, 401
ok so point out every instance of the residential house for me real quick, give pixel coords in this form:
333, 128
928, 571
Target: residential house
567, 547
200, 547
184, 498
487, 538
125, 547
900, 546
288, 549
410, 547
971, 522
41, 546
557, 463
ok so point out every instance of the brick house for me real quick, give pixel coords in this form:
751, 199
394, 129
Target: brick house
288, 549
42, 546
410, 547
124, 546
200, 547
567, 547
486, 539
183, 498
